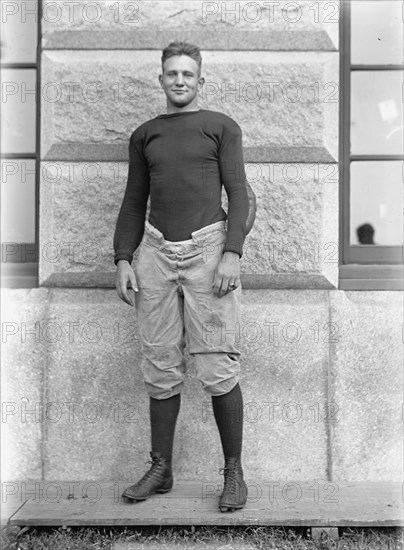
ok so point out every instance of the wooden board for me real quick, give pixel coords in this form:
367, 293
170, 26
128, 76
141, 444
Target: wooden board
313, 504
9, 506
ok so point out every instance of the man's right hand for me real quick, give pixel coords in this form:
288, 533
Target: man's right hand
124, 274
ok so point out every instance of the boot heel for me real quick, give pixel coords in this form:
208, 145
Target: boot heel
167, 487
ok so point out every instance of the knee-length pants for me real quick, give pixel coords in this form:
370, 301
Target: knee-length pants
176, 308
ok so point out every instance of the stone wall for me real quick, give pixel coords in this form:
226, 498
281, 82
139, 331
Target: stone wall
321, 379
274, 69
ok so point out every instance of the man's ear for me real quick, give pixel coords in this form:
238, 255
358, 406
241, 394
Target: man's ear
201, 82
161, 80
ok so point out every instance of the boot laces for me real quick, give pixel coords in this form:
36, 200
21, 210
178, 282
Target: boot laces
230, 478
150, 472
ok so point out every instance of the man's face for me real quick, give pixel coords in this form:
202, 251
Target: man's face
180, 80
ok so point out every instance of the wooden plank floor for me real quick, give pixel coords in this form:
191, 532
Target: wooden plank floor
9, 506
313, 504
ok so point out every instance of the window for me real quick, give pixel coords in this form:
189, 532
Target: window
371, 145
20, 28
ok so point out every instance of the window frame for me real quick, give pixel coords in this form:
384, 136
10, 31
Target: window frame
19, 273
360, 268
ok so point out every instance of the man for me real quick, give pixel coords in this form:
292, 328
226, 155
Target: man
187, 276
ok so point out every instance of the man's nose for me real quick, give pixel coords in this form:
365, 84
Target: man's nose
179, 80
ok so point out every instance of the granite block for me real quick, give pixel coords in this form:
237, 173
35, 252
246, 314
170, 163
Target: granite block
212, 25
286, 103
24, 359
293, 243
367, 385
98, 426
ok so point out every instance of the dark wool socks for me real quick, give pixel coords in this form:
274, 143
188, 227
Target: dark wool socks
163, 417
228, 411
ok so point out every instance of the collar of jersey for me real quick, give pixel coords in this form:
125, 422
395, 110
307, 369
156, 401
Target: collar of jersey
178, 114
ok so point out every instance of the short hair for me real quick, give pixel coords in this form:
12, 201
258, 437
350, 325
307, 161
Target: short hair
365, 233
182, 48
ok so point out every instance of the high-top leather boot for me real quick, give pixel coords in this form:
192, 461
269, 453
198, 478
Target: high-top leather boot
234, 495
159, 479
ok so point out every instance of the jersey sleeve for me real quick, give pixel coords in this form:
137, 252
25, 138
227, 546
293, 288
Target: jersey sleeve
232, 172
131, 218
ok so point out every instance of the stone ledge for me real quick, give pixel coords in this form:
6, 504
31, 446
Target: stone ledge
302, 281
157, 39
119, 153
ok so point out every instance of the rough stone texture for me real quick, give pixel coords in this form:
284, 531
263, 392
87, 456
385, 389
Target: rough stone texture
292, 244
285, 379
211, 25
24, 333
295, 236
320, 399
194, 545
286, 103
198, 545
106, 373
367, 385
78, 212
96, 366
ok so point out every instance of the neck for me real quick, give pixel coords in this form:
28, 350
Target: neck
193, 106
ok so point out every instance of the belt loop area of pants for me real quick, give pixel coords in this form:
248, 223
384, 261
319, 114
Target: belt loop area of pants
153, 236
209, 234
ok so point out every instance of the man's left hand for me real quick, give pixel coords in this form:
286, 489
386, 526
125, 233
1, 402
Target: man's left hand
227, 274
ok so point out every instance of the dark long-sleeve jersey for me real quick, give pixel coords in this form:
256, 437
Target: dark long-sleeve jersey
182, 160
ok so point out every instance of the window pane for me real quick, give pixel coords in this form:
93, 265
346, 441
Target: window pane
376, 112
17, 201
19, 31
376, 202
376, 32
18, 116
